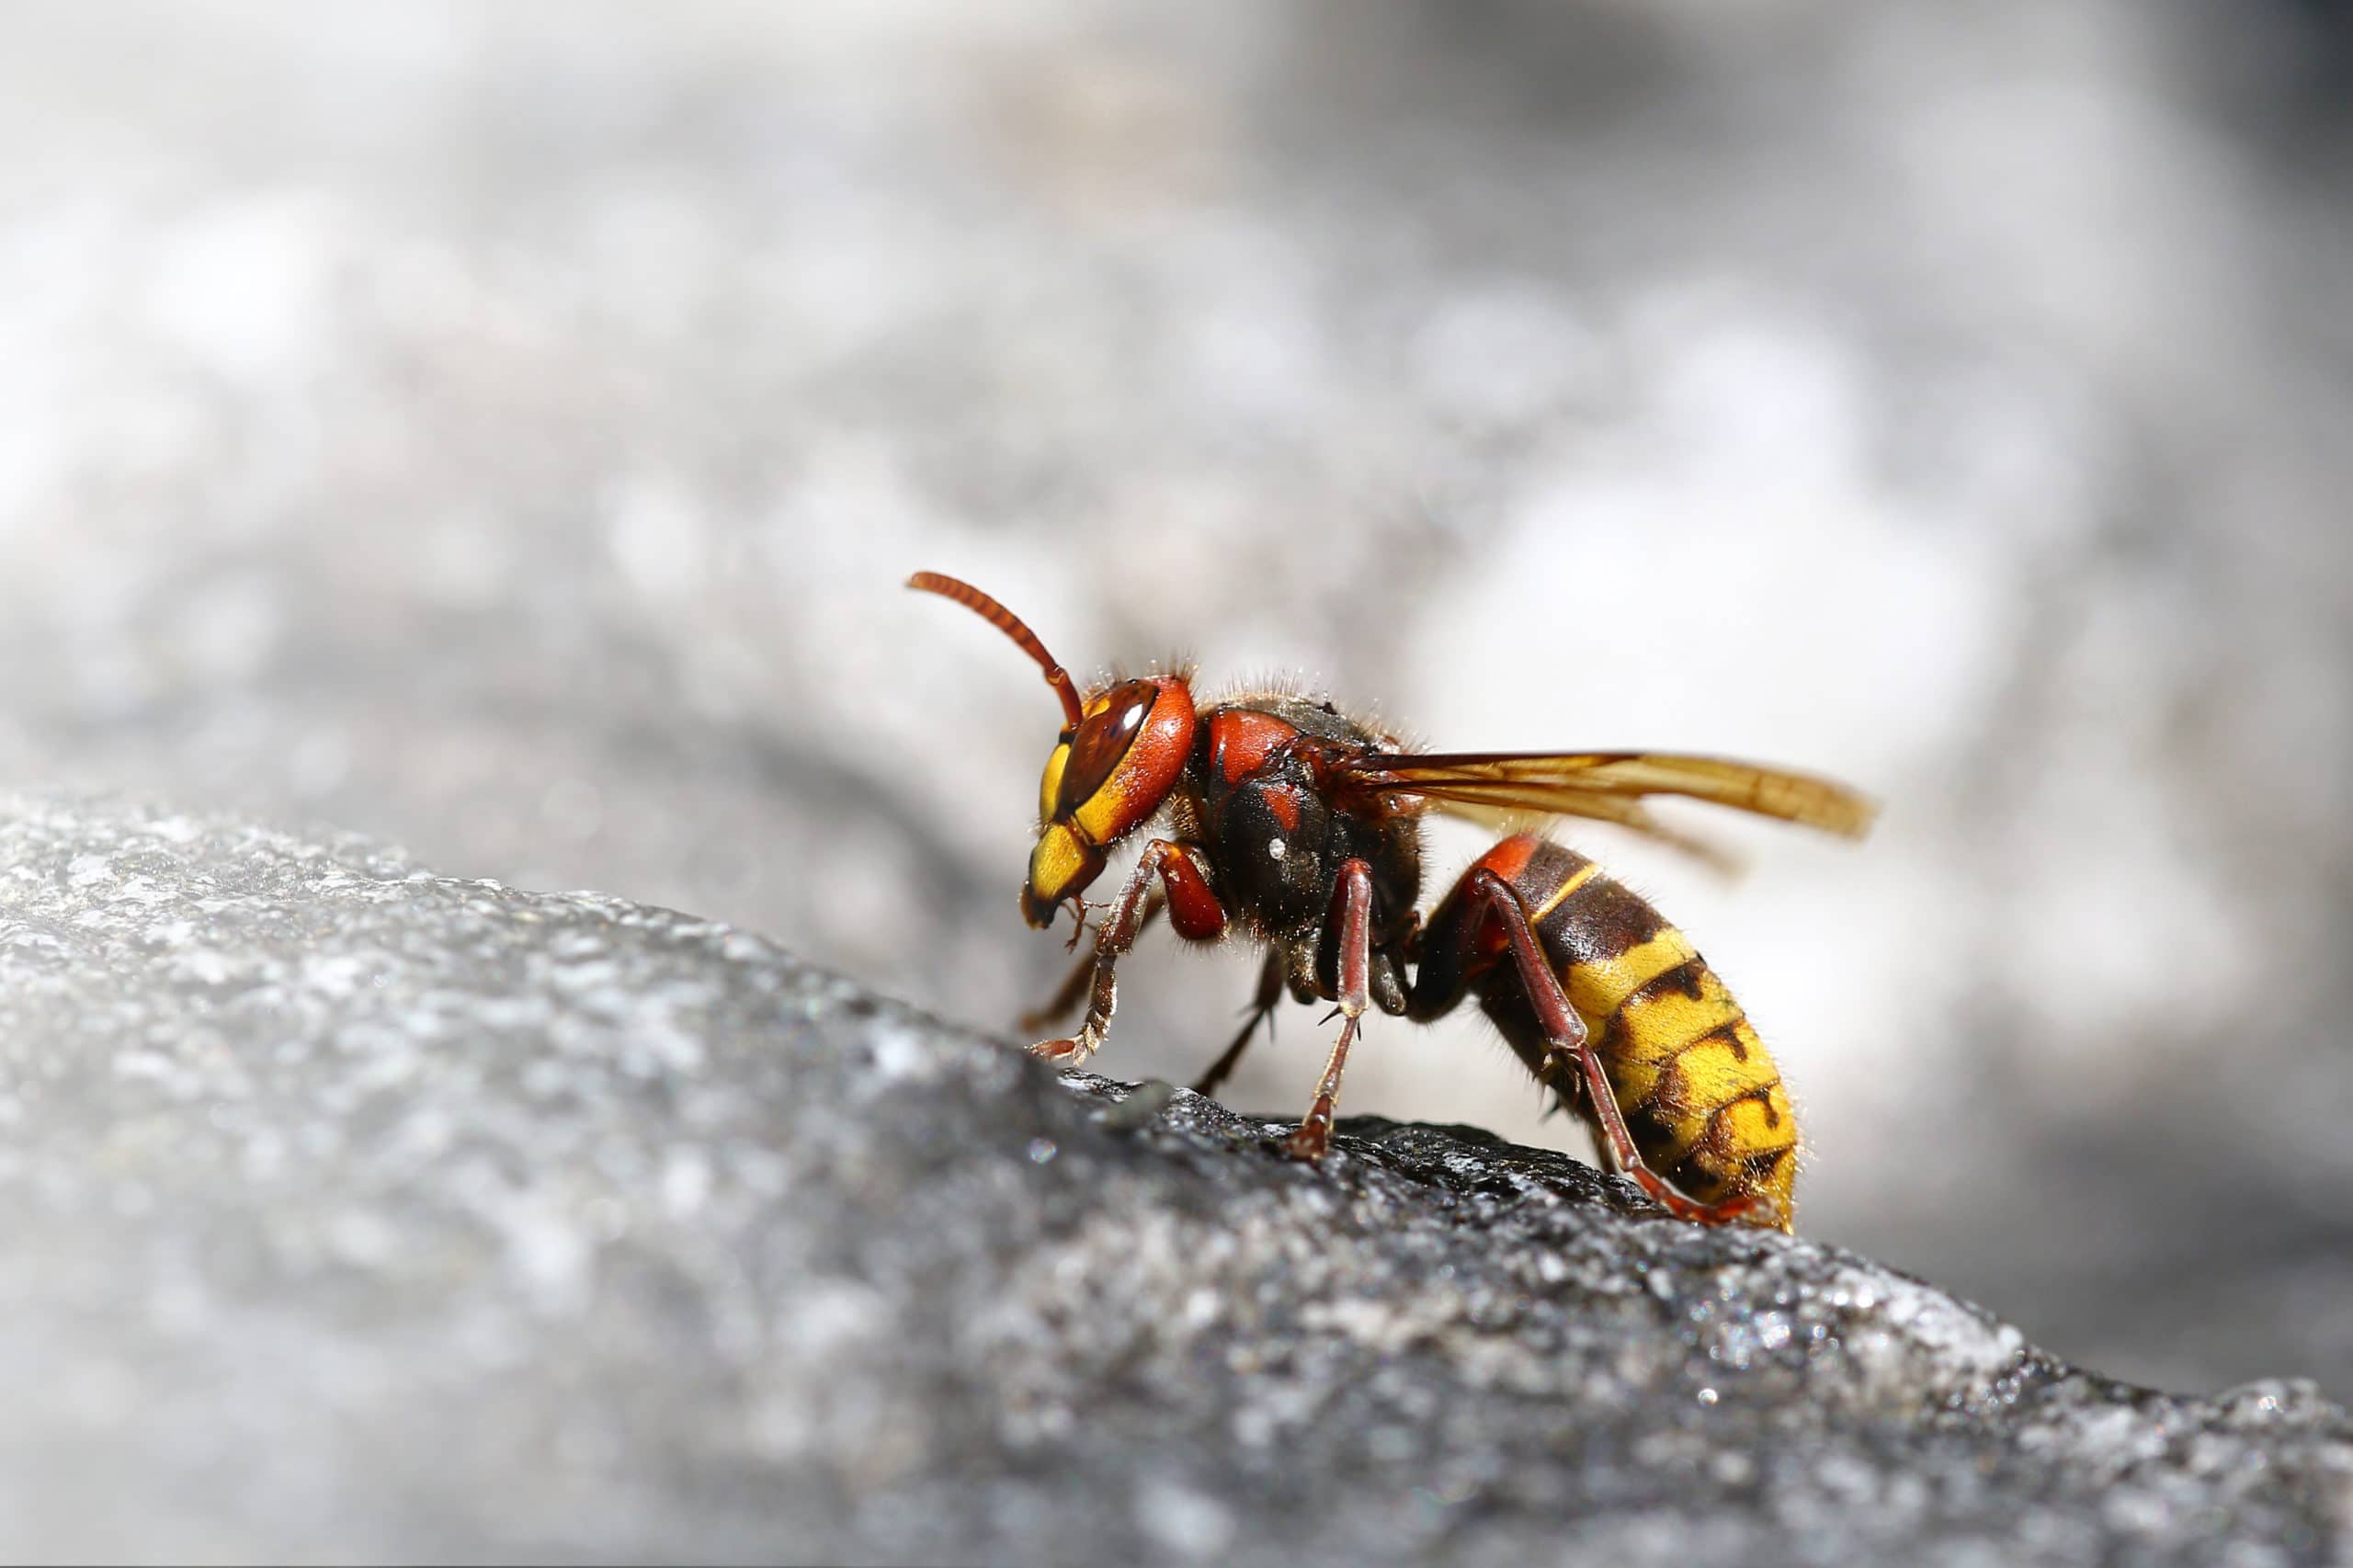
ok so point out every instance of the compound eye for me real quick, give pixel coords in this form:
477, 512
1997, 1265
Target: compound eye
1103, 739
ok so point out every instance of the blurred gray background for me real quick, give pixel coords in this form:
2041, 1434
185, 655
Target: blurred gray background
504, 429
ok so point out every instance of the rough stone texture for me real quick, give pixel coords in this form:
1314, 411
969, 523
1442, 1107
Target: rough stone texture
355, 1211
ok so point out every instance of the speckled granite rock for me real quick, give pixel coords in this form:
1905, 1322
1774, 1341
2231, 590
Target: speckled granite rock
358, 1211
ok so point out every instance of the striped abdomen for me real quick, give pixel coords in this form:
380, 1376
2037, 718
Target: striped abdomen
1700, 1092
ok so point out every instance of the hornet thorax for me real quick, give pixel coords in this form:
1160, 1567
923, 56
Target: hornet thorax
1258, 788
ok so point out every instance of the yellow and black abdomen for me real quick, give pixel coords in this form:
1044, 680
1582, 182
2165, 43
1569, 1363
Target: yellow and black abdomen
1700, 1092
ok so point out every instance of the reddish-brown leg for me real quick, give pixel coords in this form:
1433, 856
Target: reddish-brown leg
1262, 1008
1194, 911
1073, 990
1483, 893
1352, 918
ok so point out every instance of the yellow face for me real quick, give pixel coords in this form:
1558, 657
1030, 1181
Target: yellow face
1061, 866
1105, 779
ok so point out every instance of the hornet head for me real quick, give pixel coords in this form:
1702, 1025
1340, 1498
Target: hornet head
1120, 753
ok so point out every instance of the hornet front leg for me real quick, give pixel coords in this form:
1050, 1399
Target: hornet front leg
1193, 910
1074, 988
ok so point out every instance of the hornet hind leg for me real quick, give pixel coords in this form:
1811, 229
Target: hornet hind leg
1451, 956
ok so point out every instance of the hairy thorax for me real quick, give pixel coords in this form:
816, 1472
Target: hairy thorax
1259, 788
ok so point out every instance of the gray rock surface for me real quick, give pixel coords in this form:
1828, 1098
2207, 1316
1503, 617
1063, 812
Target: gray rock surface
358, 1211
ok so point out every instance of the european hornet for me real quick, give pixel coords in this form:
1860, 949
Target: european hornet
1299, 828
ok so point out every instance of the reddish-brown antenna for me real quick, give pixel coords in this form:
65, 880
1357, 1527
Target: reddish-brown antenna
1005, 621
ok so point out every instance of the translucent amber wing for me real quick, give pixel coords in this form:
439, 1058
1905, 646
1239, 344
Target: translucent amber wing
1508, 817
1607, 787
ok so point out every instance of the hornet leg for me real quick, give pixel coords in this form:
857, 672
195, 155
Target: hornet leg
1193, 909
1073, 990
1565, 1033
1261, 1010
1352, 917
